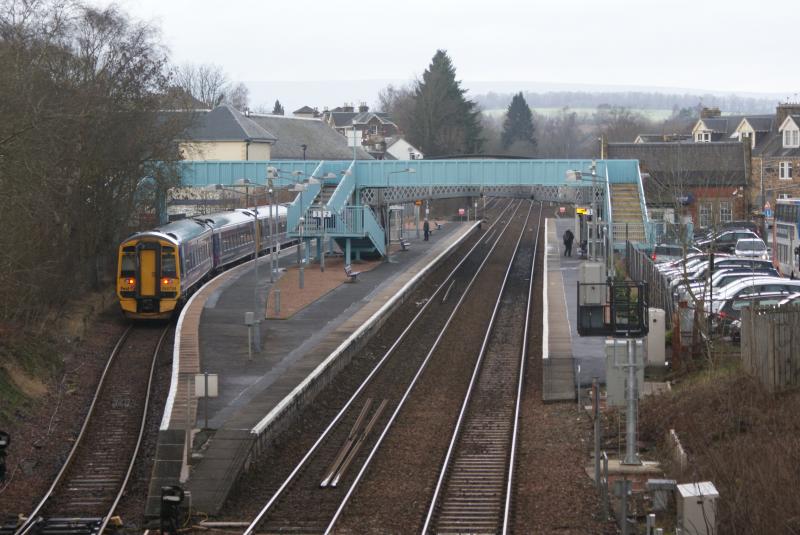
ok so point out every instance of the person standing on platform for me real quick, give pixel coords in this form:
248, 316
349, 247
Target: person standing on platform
426, 229
568, 238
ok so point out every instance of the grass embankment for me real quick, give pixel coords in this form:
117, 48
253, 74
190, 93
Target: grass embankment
739, 436
28, 363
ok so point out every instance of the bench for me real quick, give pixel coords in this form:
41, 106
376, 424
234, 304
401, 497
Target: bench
353, 275
404, 245
438, 225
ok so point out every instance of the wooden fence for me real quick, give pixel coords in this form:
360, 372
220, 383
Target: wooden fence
640, 267
771, 345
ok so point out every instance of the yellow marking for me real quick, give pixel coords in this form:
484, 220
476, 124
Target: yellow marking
147, 272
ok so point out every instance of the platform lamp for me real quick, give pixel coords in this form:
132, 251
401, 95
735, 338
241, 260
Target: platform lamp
5, 440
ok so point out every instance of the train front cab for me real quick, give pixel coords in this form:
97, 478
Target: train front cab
148, 282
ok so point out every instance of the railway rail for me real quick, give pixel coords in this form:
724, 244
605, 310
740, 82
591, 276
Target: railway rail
87, 489
313, 496
473, 493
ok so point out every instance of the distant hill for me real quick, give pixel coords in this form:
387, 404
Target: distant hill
631, 99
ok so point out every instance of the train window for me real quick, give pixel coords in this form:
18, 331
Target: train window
128, 265
168, 267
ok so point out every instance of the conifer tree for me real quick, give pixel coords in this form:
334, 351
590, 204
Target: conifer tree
277, 109
518, 125
444, 122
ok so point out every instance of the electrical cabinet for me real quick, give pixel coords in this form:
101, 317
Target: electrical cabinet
697, 508
656, 337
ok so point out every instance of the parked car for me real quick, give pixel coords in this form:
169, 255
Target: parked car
753, 285
725, 242
700, 272
791, 300
666, 252
751, 248
721, 278
728, 321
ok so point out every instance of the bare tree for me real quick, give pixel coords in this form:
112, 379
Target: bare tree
206, 82
80, 97
239, 97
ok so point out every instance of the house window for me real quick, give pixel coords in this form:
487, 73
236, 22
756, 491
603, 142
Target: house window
702, 137
705, 215
373, 130
785, 171
725, 214
791, 138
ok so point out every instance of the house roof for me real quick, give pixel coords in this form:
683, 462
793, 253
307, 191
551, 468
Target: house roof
226, 123
342, 118
365, 117
772, 147
760, 123
305, 109
653, 138
322, 142
672, 167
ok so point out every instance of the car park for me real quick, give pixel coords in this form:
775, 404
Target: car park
751, 248
728, 320
721, 279
753, 285
791, 300
725, 242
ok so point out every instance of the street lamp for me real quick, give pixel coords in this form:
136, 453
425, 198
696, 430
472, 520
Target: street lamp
304, 147
411, 171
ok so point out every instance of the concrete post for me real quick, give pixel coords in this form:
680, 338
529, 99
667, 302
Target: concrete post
596, 412
347, 252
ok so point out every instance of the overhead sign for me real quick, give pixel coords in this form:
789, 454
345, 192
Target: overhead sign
460, 211
583, 211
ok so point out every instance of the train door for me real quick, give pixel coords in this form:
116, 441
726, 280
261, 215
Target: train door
148, 269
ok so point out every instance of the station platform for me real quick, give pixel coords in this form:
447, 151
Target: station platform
569, 360
303, 344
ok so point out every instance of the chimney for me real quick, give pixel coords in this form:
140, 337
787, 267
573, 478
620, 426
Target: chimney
347, 107
363, 107
707, 113
784, 110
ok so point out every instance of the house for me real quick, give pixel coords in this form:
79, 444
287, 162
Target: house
687, 181
776, 158
373, 130
306, 112
303, 138
399, 149
225, 133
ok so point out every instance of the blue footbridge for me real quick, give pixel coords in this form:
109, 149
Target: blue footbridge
342, 200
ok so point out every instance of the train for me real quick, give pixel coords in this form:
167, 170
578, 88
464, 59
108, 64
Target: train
786, 236
160, 268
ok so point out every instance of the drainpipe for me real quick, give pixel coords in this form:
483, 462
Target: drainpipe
247, 149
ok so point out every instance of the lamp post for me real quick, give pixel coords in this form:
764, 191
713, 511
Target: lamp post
408, 170
304, 147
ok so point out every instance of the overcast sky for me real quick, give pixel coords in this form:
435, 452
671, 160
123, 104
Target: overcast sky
720, 45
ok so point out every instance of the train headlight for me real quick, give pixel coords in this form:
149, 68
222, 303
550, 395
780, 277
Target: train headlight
130, 281
165, 281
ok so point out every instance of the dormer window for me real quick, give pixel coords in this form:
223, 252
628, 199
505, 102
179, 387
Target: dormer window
702, 137
791, 138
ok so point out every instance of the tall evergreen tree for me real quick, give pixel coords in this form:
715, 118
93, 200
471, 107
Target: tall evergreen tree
518, 125
444, 121
277, 109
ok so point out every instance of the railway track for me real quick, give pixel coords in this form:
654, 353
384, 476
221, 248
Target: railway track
473, 491
91, 482
314, 495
